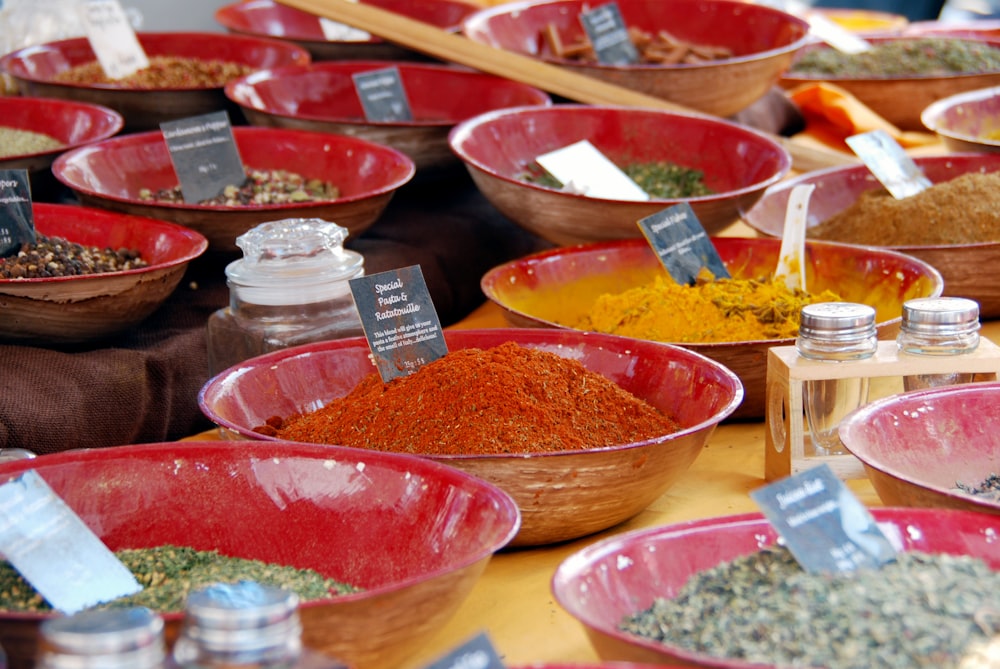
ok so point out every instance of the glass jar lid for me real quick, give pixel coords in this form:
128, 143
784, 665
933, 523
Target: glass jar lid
130, 638
837, 320
941, 315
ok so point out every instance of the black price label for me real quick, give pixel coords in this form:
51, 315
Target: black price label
609, 35
681, 243
382, 95
399, 319
204, 154
823, 524
17, 220
477, 653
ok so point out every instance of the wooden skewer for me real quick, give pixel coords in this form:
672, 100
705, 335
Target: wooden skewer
456, 48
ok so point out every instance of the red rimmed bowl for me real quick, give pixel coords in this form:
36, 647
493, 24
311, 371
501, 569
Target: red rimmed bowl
110, 174
74, 309
266, 18
561, 495
967, 121
558, 287
961, 265
498, 147
415, 535
918, 446
35, 69
762, 40
622, 575
321, 97
70, 123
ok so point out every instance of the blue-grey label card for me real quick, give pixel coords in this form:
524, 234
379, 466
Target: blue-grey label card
382, 95
681, 243
55, 551
823, 523
399, 319
609, 35
204, 154
17, 218
476, 653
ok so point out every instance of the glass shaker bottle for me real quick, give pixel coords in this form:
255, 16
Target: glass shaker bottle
130, 638
291, 287
938, 326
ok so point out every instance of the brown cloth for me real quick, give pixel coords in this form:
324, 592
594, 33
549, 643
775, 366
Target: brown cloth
142, 385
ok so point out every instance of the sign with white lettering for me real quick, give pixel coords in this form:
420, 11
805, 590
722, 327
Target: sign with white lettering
17, 220
825, 526
399, 319
382, 95
582, 169
609, 36
112, 38
682, 244
55, 551
204, 155
477, 653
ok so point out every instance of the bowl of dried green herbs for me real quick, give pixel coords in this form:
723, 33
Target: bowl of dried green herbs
382, 547
724, 593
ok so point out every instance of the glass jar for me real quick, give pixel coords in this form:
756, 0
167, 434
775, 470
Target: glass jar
291, 287
129, 638
938, 326
834, 332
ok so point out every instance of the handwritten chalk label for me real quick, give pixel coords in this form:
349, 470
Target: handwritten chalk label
112, 38
582, 169
204, 155
476, 653
55, 551
382, 95
681, 243
17, 220
609, 36
399, 320
823, 524
889, 162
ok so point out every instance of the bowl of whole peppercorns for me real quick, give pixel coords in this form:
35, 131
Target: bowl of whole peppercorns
90, 274
289, 174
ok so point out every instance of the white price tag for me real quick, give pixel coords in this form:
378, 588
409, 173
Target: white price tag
111, 37
582, 169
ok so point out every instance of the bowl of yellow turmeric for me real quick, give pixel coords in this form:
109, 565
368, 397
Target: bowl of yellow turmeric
620, 287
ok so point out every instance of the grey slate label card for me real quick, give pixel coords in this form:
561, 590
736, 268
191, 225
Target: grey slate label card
55, 551
399, 320
17, 219
609, 35
204, 154
476, 653
681, 243
824, 525
382, 95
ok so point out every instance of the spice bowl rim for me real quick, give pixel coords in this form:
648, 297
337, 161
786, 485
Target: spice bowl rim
933, 116
115, 122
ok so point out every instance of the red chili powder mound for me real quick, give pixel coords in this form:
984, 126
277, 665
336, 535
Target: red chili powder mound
507, 399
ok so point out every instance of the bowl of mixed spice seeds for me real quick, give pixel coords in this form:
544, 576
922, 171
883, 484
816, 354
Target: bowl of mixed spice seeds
289, 174
90, 274
185, 77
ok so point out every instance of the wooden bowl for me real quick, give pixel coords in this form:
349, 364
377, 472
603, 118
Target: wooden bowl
966, 122
917, 446
899, 100
556, 288
110, 174
561, 495
35, 68
266, 18
594, 587
322, 97
961, 265
763, 41
73, 309
414, 534
738, 164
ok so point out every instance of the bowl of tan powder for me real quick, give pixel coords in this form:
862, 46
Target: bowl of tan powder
954, 225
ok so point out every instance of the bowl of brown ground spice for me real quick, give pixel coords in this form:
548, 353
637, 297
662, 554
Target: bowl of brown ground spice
954, 225
563, 421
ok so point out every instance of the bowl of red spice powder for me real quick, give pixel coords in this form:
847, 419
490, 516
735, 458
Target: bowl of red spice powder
563, 421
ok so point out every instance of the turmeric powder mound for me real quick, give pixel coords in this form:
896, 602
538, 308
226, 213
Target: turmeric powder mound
722, 310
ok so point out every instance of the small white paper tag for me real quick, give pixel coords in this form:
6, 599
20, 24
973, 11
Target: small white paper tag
55, 551
112, 38
584, 170
839, 38
889, 162
335, 31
